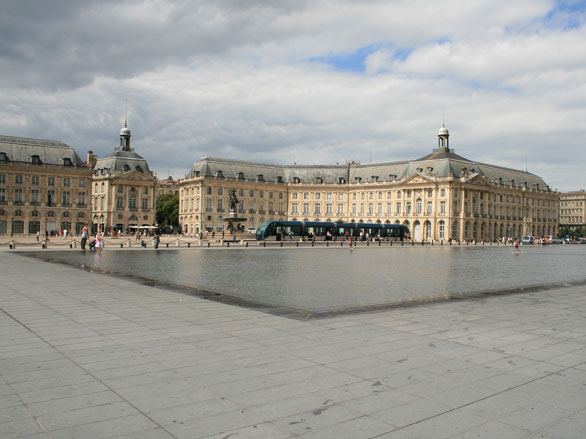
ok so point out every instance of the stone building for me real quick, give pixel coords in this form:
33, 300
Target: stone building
573, 209
44, 186
167, 186
439, 196
123, 190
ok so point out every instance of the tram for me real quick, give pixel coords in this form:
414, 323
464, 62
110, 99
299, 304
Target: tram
328, 230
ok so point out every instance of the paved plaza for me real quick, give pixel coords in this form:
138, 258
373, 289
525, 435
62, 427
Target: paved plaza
85, 355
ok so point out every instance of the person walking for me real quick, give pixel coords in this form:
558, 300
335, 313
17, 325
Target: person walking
84, 236
156, 240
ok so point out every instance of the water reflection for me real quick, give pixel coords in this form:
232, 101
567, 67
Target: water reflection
333, 279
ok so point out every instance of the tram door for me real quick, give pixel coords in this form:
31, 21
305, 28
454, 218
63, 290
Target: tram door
417, 231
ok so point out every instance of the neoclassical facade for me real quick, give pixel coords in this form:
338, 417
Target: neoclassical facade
439, 196
573, 209
123, 190
44, 187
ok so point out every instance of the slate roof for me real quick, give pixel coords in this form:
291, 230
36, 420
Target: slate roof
122, 161
438, 164
50, 152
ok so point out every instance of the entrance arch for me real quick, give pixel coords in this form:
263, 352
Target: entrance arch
417, 231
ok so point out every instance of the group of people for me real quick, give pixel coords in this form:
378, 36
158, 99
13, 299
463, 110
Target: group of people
95, 243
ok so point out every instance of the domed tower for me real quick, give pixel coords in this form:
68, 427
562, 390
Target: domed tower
443, 139
125, 138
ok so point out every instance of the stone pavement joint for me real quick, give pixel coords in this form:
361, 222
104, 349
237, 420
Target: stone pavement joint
88, 355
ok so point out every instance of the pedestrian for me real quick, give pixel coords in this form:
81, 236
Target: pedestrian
84, 235
156, 240
99, 242
38, 235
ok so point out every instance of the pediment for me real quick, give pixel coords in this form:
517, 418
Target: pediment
134, 176
477, 179
419, 178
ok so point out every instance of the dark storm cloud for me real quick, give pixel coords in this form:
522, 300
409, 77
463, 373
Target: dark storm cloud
66, 44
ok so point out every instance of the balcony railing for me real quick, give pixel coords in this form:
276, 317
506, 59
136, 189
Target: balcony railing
18, 203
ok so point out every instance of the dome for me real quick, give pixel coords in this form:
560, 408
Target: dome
125, 131
443, 131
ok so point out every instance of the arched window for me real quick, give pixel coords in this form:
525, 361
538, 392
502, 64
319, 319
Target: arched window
442, 232
36, 160
418, 206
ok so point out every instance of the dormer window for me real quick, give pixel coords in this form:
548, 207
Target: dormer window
419, 169
279, 179
67, 162
319, 180
138, 168
219, 174
196, 173
240, 176
374, 178
126, 168
296, 180
392, 177
3, 157
36, 160
429, 169
358, 179
341, 180
260, 177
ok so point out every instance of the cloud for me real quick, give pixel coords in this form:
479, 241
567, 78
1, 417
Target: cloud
300, 81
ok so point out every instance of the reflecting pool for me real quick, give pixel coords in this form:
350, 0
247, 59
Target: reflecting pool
335, 278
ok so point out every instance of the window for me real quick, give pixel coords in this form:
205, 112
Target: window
251, 193
145, 191
220, 192
294, 195
294, 208
2, 195
340, 209
241, 193
430, 193
361, 208
409, 194
261, 194
306, 196
51, 197
66, 181
145, 203
18, 179
329, 209
370, 209
209, 190
353, 208
66, 198
305, 208
340, 197
329, 196
429, 207
280, 195
132, 201
35, 180
442, 207
398, 194
3, 157
119, 203
81, 182
220, 205
389, 195
398, 208
408, 208
34, 196
418, 204
17, 196
443, 193
270, 195
317, 196
379, 209
3, 178
317, 208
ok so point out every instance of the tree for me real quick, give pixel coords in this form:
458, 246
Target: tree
168, 211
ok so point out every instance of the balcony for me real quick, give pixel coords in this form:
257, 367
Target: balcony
81, 205
209, 209
219, 210
261, 211
146, 209
35, 203
18, 203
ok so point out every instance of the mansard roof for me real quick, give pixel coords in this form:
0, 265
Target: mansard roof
438, 164
49, 152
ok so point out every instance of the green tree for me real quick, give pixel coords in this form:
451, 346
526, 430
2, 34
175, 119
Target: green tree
168, 210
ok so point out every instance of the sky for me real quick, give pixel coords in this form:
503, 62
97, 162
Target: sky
301, 81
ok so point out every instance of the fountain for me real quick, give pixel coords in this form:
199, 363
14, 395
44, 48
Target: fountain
233, 218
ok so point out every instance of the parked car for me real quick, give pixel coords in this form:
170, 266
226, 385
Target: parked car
558, 241
527, 240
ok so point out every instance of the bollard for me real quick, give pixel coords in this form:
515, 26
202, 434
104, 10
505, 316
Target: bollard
188, 244
121, 245
70, 245
412, 243
227, 244
247, 244
391, 242
327, 243
208, 243
264, 243
167, 245
281, 243
422, 243
297, 243
368, 243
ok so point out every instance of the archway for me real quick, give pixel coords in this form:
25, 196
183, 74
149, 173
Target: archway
417, 231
